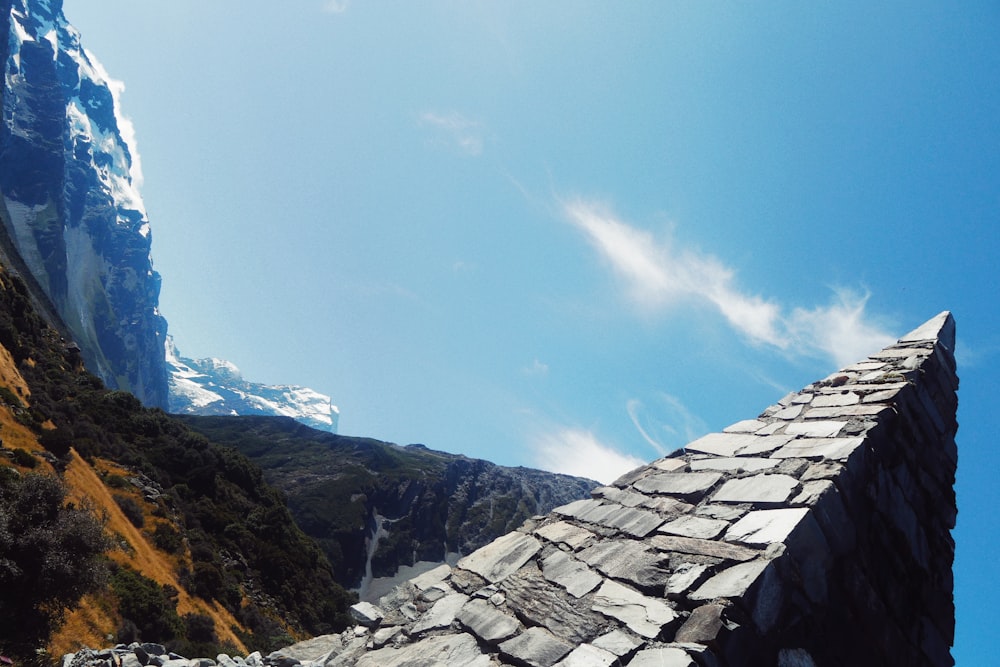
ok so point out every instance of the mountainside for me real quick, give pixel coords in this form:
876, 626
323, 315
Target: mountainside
417, 504
74, 225
216, 387
204, 550
70, 205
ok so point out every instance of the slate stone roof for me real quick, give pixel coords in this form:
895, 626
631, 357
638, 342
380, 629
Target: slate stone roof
817, 533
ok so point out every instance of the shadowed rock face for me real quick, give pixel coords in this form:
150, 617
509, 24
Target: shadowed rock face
816, 534
73, 223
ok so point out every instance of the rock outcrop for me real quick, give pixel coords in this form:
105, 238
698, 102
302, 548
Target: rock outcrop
815, 534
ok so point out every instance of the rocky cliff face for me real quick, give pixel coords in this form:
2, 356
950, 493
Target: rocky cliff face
74, 222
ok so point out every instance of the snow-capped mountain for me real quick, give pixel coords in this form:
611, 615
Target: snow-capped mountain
69, 198
75, 227
216, 387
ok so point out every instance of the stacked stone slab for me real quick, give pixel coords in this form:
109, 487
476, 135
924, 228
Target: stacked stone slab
816, 534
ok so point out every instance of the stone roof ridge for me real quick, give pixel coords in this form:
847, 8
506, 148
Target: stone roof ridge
754, 545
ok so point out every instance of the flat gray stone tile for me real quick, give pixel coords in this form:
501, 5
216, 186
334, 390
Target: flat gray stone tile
588, 655
822, 448
536, 647
733, 464
566, 533
763, 527
757, 489
643, 615
687, 485
663, 657
731, 582
815, 429
486, 621
695, 526
617, 642
501, 557
573, 575
697, 547
457, 649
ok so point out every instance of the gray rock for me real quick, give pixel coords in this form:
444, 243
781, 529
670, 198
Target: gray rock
501, 557
756, 489
431, 577
695, 526
643, 615
458, 650
702, 626
734, 464
487, 622
731, 582
684, 578
539, 602
588, 655
816, 429
366, 614
536, 647
578, 579
662, 657
627, 560
687, 485
567, 533
616, 642
764, 527
441, 614
690, 545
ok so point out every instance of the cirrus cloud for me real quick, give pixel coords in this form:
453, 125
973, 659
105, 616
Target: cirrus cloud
657, 274
578, 452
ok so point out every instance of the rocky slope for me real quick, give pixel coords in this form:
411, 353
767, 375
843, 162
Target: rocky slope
374, 506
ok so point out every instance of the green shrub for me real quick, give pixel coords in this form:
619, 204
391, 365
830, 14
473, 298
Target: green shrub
23, 458
131, 510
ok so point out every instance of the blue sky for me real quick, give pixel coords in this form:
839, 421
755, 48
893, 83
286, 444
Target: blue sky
574, 235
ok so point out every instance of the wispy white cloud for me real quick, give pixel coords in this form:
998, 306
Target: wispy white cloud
578, 452
668, 425
463, 133
335, 6
657, 274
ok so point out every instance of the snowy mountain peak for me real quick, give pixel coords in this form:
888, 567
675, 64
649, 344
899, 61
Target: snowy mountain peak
216, 387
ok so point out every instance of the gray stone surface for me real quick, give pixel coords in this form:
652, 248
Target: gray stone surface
571, 574
458, 650
763, 527
733, 464
695, 526
485, 621
663, 657
689, 545
536, 647
757, 489
819, 448
643, 615
441, 614
686, 485
588, 655
703, 625
731, 582
617, 642
501, 557
567, 533
815, 429
366, 614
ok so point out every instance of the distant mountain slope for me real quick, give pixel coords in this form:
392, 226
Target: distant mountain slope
423, 504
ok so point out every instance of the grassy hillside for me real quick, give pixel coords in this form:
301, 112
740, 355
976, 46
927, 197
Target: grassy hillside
203, 553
